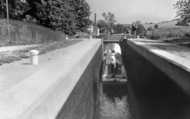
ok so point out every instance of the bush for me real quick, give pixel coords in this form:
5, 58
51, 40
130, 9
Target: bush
156, 26
169, 33
187, 35
182, 23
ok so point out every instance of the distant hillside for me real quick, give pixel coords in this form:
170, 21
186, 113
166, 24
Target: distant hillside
168, 24
168, 30
148, 25
163, 24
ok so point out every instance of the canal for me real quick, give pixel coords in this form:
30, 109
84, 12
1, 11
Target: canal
113, 98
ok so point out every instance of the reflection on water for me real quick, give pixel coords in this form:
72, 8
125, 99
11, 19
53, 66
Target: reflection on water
113, 102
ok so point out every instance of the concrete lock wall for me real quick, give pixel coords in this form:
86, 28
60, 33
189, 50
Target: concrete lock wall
61, 86
81, 104
153, 94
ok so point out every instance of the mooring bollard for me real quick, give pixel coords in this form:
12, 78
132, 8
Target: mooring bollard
66, 37
34, 57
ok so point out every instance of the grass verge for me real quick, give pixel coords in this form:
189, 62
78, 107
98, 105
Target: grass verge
8, 57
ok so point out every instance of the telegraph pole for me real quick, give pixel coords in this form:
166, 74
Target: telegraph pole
8, 23
95, 19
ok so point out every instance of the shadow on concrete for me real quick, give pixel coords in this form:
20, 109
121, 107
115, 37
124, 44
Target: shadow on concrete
152, 94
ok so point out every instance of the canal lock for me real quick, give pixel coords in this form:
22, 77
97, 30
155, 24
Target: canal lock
112, 89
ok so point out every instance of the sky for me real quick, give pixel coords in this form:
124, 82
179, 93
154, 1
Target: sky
127, 11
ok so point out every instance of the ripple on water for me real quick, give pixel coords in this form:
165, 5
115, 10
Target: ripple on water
114, 107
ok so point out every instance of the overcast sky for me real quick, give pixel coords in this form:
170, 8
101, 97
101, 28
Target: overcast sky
127, 11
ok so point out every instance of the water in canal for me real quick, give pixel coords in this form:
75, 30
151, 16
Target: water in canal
113, 102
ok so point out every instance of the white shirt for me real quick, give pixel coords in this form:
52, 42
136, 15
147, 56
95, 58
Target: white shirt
117, 48
113, 58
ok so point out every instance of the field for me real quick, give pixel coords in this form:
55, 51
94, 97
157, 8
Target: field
8, 57
169, 31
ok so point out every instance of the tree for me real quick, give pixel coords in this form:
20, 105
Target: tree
81, 9
12, 5
110, 20
139, 29
102, 25
183, 12
149, 28
120, 28
60, 16
68, 16
156, 26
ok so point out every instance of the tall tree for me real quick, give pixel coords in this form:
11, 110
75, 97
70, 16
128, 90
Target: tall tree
183, 7
68, 16
121, 28
60, 16
81, 9
110, 20
102, 25
138, 28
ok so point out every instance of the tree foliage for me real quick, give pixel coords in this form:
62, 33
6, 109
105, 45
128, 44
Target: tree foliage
121, 28
102, 25
156, 26
68, 16
81, 10
183, 7
138, 29
109, 19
